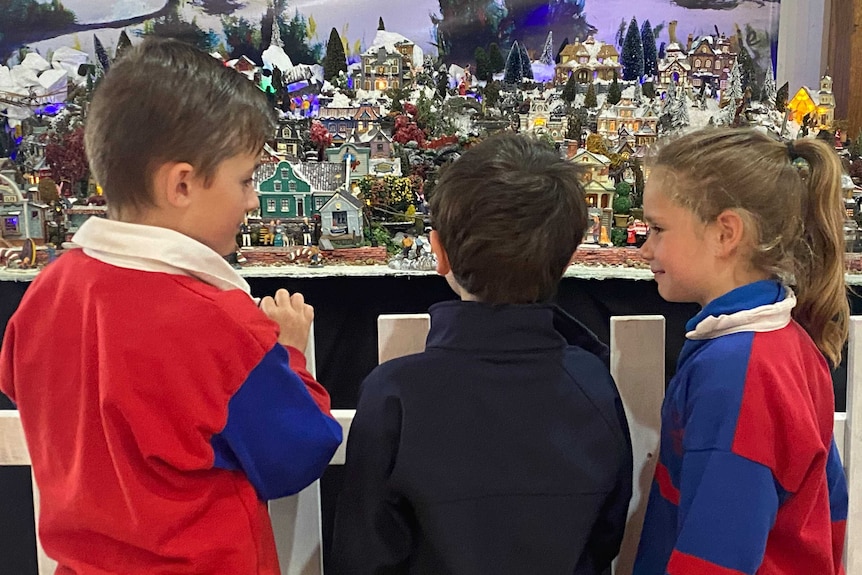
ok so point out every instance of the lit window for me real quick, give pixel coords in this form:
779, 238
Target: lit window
270, 206
285, 205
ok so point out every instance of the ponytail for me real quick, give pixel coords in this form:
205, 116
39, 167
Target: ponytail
822, 307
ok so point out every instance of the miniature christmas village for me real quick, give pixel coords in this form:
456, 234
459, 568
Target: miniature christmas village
364, 132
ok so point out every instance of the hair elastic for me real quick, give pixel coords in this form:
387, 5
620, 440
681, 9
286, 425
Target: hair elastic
791, 151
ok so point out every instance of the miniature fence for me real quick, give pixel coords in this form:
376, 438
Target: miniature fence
637, 364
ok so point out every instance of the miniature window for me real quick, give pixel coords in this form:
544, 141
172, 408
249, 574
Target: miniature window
285, 205
697, 63
718, 64
339, 218
284, 174
270, 206
291, 186
394, 69
379, 147
10, 225
318, 202
277, 186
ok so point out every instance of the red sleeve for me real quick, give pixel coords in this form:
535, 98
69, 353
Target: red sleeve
317, 391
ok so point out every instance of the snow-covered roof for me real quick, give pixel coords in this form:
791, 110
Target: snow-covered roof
275, 56
590, 48
389, 41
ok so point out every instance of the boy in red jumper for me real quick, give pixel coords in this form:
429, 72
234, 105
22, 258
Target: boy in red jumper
176, 407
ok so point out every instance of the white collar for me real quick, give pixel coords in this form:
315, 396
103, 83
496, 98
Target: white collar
770, 317
155, 249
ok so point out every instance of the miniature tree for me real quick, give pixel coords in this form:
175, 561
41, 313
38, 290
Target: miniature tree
407, 131
638, 98
68, 160
649, 90
596, 144
590, 100
380, 25
483, 64
335, 60
123, 44
650, 55
570, 90
679, 112
526, 68
320, 137
491, 93
48, 193
514, 69
781, 97
442, 82
101, 55
620, 36
577, 119
547, 57
495, 58
734, 84
632, 58
747, 71
614, 91
768, 92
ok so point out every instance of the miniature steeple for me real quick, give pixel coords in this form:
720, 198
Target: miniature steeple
276, 31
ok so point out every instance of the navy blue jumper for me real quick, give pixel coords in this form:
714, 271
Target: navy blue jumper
502, 448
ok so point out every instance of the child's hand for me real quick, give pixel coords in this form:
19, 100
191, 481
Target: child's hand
292, 315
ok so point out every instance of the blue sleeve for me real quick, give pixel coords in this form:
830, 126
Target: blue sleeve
275, 431
727, 507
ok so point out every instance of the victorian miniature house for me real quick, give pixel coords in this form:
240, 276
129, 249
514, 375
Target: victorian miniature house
389, 62
588, 61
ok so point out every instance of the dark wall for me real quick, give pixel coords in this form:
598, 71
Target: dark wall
346, 310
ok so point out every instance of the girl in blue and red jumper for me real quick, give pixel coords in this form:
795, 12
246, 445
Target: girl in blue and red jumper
748, 479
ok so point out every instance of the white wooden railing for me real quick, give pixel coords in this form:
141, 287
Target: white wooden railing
637, 364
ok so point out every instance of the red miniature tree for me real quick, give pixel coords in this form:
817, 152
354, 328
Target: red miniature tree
320, 137
67, 158
407, 131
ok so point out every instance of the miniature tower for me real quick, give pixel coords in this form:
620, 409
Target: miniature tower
826, 102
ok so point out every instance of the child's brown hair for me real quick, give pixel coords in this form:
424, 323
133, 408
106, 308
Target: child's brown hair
165, 101
510, 214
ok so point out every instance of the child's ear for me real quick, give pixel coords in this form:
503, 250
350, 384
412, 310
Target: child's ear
730, 232
443, 267
174, 183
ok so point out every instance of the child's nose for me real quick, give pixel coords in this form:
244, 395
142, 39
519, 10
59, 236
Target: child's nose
253, 203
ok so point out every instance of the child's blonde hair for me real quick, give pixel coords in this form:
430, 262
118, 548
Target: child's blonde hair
794, 216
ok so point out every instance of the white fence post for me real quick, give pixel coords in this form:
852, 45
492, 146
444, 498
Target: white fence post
637, 364
852, 451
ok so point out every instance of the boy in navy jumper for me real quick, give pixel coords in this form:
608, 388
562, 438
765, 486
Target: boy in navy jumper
503, 447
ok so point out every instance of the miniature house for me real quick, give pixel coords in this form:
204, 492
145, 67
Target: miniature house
341, 215
598, 185
819, 105
298, 191
389, 62
20, 219
588, 61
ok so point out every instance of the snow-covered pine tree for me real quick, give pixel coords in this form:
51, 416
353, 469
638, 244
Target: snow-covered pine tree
570, 90
547, 57
679, 113
633, 53
769, 91
514, 70
734, 83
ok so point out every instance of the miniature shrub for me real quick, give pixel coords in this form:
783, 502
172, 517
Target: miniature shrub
622, 205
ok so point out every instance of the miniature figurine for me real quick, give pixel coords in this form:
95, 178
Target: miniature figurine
306, 232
